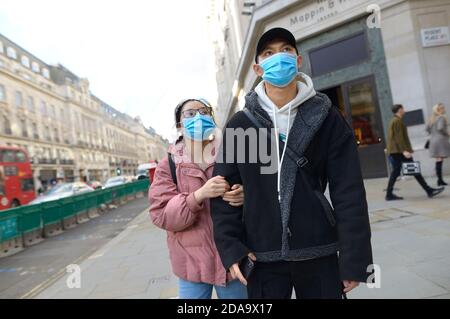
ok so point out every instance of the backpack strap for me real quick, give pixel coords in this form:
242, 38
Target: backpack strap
173, 169
301, 161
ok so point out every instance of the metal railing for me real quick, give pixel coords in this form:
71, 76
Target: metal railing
27, 225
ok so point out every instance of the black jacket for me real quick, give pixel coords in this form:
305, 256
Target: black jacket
302, 225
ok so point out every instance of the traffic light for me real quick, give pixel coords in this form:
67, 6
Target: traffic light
119, 171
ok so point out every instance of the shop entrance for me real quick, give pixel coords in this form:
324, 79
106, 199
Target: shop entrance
358, 103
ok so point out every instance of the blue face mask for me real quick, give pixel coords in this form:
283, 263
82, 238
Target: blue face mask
199, 127
280, 69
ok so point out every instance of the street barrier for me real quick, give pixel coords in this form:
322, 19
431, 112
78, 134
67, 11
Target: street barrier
10, 236
31, 224
28, 225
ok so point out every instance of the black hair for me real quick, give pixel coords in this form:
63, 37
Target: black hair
396, 107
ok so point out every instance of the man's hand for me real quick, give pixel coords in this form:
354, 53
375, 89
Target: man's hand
407, 154
214, 187
235, 197
236, 272
349, 285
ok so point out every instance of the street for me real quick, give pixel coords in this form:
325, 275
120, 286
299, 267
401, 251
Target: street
25, 274
410, 242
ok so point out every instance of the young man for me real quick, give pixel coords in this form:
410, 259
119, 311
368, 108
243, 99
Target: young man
400, 150
286, 223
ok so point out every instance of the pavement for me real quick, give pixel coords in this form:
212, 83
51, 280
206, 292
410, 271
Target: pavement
410, 239
30, 271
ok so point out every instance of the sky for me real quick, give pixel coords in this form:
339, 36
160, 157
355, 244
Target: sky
140, 56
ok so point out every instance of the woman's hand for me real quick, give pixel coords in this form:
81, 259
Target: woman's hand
214, 187
235, 197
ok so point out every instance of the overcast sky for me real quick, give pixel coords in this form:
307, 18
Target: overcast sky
140, 56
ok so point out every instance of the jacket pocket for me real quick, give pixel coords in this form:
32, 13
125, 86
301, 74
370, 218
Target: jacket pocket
191, 238
329, 212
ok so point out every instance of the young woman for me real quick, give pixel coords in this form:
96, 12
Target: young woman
439, 141
179, 198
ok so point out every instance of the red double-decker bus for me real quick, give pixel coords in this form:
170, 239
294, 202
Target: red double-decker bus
16, 178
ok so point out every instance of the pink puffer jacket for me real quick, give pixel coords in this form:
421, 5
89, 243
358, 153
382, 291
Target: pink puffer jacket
193, 253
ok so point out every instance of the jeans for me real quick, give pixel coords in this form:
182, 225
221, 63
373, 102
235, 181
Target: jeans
397, 160
198, 290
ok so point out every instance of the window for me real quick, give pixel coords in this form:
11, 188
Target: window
23, 125
7, 156
27, 184
10, 170
11, 53
56, 135
44, 108
52, 111
18, 98
35, 131
6, 126
46, 73
2, 93
62, 115
25, 61
339, 55
30, 104
21, 157
35, 67
1, 47
47, 134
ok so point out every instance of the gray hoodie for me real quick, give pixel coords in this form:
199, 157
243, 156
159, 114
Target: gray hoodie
281, 115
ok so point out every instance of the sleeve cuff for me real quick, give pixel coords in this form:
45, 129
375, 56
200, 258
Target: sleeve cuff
192, 204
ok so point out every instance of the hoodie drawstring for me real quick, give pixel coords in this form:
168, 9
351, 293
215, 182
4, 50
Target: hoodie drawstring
277, 136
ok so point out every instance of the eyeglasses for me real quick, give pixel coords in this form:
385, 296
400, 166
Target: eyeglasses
193, 112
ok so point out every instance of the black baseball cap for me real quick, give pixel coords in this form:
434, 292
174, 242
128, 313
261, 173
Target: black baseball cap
273, 34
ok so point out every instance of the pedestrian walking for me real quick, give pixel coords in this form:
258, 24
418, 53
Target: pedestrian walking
179, 197
286, 222
439, 145
400, 151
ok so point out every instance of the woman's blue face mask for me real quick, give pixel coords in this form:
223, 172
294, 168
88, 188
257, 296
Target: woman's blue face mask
280, 69
199, 127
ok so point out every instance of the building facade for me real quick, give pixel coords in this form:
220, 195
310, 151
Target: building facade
365, 55
68, 132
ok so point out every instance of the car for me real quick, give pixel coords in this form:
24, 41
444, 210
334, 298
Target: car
142, 174
63, 190
115, 181
143, 170
95, 184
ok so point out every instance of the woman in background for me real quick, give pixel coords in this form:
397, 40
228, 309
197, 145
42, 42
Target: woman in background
439, 141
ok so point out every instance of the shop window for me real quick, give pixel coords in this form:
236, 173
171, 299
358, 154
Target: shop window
339, 55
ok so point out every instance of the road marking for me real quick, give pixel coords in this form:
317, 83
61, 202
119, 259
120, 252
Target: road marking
95, 256
50, 281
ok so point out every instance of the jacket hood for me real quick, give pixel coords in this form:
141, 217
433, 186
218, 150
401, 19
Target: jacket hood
305, 92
